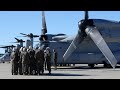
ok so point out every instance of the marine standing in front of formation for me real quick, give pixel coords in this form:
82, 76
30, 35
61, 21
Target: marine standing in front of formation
55, 58
47, 55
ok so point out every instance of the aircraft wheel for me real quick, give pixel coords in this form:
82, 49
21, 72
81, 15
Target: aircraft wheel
107, 66
91, 65
61, 65
73, 64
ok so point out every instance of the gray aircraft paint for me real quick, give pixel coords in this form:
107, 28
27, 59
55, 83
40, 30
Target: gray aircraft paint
88, 52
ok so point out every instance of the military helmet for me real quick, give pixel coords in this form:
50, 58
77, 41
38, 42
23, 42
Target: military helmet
30, 47
47, 48
13, 49
24, 49
28, 50
21, 49
18, 46
39, 48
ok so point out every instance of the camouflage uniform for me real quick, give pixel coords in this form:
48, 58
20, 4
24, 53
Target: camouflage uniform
14, 60
25, 62
32, 61
55, 58
47, 55
39, 56
19, 62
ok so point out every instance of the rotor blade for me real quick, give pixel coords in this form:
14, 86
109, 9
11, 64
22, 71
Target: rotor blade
17, 39
20, 36
101, 44
13, 42
7, 46
35, 35
3, 47
86, 15
12, 46
75, 43
23, 34
44, 27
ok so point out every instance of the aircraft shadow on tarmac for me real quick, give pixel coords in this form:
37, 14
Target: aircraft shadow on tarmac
86, 67
61, 74
80, 67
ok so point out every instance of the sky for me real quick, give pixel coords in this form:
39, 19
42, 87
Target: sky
12, 23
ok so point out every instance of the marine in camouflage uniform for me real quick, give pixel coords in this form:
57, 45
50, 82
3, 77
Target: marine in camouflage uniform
20, 62
33, 67
47, 56
39, 56
55, 58
14, 59
25, 61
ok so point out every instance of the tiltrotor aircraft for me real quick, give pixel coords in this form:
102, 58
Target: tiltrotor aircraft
6, 56
8, 49
20, 41
30, 41
97, 42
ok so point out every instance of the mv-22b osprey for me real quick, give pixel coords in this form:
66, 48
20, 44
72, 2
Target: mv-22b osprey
97, 42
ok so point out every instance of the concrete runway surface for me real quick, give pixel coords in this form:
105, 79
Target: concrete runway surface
78, 72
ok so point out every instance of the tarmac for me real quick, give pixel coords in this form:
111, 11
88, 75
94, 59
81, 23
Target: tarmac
74, 72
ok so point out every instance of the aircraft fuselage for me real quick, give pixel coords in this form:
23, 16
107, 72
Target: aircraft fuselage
88, 52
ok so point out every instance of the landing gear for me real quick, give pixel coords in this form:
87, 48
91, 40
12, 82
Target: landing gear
91, 65
61, 65
105, 65
64, 65
74, 65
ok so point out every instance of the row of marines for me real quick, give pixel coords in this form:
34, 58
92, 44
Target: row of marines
31, 62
